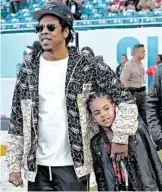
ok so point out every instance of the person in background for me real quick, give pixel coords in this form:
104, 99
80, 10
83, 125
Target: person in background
151, 70
15, 5
133, 77
88, 51
146, 5
131, 5
27, 54
119, 68
116, 6
154, 108
36, 46
75, 7
141, 170
158, 5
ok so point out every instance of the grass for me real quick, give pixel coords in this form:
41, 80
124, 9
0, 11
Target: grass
93, 188
160, 154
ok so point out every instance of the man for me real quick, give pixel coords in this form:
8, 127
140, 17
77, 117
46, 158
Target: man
152, 69
133, 77
123, 60
131, 5
36, 46
27, 54
154, 108
50, 130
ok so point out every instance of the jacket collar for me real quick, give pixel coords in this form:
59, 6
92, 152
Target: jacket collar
74, 56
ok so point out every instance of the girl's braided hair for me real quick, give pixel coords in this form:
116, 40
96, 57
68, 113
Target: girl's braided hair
95, 95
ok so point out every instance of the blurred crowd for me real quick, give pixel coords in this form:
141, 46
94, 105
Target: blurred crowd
116, 6
76, 6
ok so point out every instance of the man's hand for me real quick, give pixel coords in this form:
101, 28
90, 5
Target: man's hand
15, 179
119, 151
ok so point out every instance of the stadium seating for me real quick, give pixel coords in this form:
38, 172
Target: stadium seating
95, 13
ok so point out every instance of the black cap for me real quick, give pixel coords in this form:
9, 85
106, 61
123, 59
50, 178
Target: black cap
36, 46
57, 9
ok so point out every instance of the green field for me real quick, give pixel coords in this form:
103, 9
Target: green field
93, 188
160, 154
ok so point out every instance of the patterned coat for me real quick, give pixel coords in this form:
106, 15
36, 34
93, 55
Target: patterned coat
84, 75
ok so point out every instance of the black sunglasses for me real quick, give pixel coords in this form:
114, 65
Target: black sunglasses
50, 27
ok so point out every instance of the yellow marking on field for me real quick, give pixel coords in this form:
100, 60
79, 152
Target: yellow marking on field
3, 149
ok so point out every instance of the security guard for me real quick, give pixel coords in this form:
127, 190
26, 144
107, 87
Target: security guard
133, 77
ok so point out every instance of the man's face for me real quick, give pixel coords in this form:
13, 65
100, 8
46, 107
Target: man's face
51, 38
158, 59
140, 52
123, 59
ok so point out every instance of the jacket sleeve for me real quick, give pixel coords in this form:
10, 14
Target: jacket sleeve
15, 131
153, 109
125, 123
98, 171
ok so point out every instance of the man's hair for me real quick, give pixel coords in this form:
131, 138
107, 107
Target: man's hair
93, 96
65, 25
137, 46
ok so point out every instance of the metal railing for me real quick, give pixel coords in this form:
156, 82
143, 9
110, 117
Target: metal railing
90, 24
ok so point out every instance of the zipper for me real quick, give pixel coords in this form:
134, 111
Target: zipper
50, 173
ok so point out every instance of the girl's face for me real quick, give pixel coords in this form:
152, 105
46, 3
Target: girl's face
103, 112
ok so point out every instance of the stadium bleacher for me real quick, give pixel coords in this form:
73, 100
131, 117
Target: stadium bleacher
94, 14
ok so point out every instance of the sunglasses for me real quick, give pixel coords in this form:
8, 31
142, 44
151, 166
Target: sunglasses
50, 27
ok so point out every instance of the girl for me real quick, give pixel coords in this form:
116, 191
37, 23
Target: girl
141, 170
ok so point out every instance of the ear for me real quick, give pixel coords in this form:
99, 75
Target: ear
66, 33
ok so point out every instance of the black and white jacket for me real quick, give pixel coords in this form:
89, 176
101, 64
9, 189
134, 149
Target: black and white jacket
84, 75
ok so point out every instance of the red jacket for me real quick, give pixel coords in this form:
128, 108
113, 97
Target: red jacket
115, 6
151, 70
